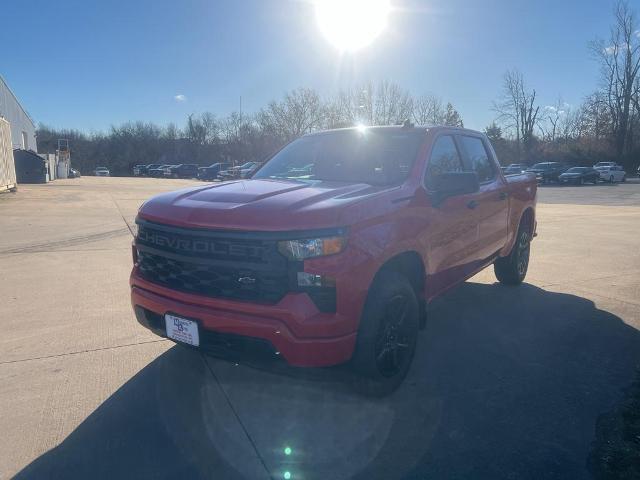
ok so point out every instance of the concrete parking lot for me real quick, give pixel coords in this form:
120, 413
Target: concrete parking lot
507, 382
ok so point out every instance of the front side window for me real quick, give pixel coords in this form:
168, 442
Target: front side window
444, 159
477, 158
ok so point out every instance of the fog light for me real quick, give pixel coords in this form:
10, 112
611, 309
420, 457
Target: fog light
309, 280
312, 280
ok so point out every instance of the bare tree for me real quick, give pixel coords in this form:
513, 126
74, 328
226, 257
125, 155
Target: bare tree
517, 110
300, 111
392, 104
619, 59
593, 117
428, 110
554, 120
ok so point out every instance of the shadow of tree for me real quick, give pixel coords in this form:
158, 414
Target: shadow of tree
507, 383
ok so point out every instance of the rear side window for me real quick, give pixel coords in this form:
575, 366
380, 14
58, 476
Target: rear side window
444, 159
477, 158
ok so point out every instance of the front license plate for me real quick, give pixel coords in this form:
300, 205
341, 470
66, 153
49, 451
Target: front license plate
182, 330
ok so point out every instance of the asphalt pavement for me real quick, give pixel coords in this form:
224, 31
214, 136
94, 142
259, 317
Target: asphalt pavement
507, 383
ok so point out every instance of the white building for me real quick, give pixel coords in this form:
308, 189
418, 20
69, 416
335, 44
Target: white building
23, 130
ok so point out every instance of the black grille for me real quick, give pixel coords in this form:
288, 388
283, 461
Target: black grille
204, 264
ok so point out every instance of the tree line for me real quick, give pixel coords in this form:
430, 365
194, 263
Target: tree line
605, 126
206, 138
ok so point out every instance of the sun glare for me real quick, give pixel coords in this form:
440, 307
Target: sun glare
352, 24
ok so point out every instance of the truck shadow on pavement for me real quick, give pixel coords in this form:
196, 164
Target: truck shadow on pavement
506, 383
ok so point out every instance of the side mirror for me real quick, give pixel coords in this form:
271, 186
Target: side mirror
454, 183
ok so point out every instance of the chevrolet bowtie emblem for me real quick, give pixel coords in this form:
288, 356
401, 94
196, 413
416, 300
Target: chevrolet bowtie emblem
246, 280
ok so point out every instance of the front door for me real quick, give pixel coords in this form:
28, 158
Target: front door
492, 207
451, 234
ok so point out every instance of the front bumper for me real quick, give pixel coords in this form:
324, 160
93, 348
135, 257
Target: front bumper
292, 329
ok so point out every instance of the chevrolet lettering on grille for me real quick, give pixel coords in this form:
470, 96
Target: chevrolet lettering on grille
200, 246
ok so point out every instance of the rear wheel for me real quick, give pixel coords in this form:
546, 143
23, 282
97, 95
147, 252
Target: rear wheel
512, 269
387, 336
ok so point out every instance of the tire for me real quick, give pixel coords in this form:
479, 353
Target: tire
595, 180
611, 179
512, 269
581, 182
624, 178
387, 336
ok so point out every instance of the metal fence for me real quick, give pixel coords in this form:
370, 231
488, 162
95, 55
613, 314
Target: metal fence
7, 166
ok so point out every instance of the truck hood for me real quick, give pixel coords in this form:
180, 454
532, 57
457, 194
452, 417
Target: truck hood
259, 205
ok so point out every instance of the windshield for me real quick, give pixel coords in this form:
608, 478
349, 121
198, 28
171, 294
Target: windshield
377, 157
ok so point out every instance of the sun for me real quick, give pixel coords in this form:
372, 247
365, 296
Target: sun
352, 24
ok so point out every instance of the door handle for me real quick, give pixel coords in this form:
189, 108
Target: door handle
472, 204
503, 195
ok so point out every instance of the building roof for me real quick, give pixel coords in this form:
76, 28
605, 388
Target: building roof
17, 101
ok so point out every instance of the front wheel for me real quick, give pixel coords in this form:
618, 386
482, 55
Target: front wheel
387, 336
512, 269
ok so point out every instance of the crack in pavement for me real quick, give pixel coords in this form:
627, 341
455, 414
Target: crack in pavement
68, 242
66, 354
235, 413
122, 215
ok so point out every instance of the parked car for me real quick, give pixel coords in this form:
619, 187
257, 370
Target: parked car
184, 170
240, 171
605, 164
336, 266
233, 172
73, 173
614, 173
547, 171
211, 172
520, 166
102, 172
144, 170
167, 170
157, 172
512, 170
138, 170
580, 175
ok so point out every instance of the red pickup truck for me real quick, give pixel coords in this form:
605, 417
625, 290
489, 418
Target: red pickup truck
332, 250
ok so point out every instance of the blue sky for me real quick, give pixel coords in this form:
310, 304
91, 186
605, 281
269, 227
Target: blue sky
88, 64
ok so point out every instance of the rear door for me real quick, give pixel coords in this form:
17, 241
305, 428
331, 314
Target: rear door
492, 202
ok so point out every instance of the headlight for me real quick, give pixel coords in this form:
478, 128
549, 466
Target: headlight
311, 247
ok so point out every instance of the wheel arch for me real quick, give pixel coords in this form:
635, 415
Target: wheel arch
411, 265
528, 218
